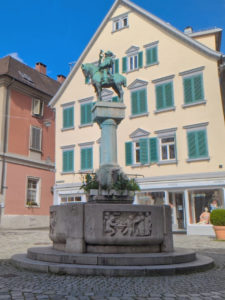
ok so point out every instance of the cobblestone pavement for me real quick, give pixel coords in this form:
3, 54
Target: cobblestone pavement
18, 284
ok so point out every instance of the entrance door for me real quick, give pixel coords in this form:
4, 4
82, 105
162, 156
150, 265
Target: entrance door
176, 200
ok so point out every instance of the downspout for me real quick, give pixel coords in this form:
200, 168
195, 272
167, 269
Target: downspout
5, 135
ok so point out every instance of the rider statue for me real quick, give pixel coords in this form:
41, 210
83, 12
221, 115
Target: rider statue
105, 65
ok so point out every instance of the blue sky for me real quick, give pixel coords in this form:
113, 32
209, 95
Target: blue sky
56, 32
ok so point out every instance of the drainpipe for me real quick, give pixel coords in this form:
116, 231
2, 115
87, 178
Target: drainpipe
5, 135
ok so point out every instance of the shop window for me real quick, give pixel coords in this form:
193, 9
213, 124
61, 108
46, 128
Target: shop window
70, 198
150, 198
202, 203
32, 191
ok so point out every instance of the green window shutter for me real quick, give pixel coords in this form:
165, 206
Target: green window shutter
188, 95
124, 64
168, 88
83, 159
151, 55
115, 99
87, 80
140, 59
88, 112
83, 114
68, 117
144, 151
134, 103
153, 142
116, 65
202, 143
142, 101
68, 161
128, 153
148, 56
198, 87
192, 144
154, 55
89, 158
159, 97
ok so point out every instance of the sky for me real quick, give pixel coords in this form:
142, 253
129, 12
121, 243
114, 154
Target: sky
55, 32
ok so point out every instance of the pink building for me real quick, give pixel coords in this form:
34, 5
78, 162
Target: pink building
27, 143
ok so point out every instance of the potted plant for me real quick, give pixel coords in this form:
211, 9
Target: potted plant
217, 219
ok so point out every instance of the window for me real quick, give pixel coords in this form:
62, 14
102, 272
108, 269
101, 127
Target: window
202, 203
164, 95
139, 102
37, 107
115, 66
32, 191
132, 62
70, 198
151, 55
68, 117
68, 161
197, 144
167, 148
120, 23
143, 151
35, 141
86, 158
193, 89
85, 111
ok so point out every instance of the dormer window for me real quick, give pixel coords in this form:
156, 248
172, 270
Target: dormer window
120, 22
37, 107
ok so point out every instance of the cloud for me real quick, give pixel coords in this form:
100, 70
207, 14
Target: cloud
16, 56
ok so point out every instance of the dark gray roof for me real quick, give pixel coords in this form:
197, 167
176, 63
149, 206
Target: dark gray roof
27, 75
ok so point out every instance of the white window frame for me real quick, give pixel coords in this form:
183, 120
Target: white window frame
119, 23
132, 62
38, 188
31, 139
67, 196
167, 145
135, 149
37, 107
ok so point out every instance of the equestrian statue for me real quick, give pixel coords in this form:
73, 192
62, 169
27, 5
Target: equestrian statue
101, 75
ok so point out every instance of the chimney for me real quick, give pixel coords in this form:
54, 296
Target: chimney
188, 30
40, 67
61, 78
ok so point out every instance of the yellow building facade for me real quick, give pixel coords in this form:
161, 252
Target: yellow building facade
173, 136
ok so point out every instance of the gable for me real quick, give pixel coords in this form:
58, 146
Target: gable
120, 7
138, 83
139, 133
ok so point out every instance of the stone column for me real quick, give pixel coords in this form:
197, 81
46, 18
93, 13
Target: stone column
108, 142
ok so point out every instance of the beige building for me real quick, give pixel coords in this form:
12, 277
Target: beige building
173, 135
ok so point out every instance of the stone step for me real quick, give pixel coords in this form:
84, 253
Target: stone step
201, 263
48, 254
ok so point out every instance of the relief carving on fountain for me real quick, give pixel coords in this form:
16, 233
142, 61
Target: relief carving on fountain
130, 224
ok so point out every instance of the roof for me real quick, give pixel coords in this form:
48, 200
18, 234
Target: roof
216, 31
27, 75
162, 24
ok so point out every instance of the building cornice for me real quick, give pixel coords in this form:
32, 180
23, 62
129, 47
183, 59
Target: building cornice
26, 161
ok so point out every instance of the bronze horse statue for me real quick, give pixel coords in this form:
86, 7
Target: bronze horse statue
115, 81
